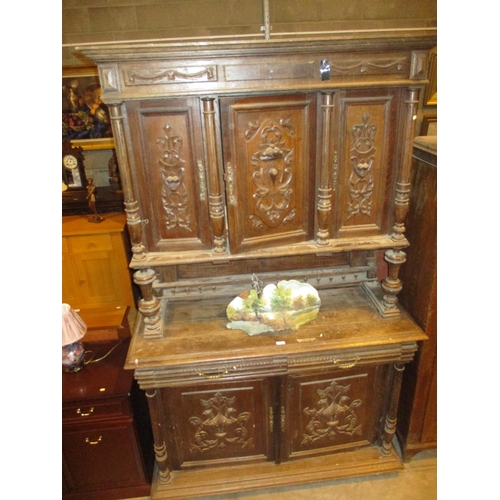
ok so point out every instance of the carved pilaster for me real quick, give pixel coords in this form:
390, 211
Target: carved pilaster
403, 184
215, 198
159, 429
149, 306
395, 378
325, 191
134, 222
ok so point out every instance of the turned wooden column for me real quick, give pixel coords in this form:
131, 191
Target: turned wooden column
134, 223
149, 306
324, 207
215, 198
395, 378
392, 285
159, 428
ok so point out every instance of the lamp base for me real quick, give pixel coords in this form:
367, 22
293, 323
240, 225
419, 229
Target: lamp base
73, 357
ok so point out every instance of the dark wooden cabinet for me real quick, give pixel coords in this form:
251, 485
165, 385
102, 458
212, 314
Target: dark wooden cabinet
106, 436
288, 158
418, 409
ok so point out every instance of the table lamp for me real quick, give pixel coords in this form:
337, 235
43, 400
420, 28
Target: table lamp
73, 329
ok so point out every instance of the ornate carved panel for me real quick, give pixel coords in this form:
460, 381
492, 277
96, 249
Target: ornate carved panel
220, 422
331, 410
366, 153
171, 175
269, 170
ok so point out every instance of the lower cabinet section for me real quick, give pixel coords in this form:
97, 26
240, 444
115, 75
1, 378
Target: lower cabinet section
264, 411
275, 418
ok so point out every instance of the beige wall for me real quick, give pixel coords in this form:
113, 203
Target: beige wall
116, 20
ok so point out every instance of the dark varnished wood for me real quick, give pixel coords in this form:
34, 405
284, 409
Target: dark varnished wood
418, 409
306, 178
105, 437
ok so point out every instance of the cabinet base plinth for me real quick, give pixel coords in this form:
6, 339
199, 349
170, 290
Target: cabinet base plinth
375, 294
230, 479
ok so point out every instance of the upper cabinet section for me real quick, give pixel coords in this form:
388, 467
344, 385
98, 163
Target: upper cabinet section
234, 149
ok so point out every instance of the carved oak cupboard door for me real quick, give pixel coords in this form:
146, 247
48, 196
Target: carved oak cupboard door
169, 169
221, 422
332, 411
269, 161
364, 161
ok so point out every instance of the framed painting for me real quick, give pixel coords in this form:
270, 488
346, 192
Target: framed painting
85, 118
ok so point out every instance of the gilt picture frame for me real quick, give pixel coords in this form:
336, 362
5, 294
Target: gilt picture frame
85, 118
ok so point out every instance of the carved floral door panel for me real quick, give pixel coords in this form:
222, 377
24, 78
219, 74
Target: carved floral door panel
331, 411
364, 161
221, 422
269, 151
169, 168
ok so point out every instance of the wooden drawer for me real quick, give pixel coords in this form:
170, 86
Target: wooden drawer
91, 243
101, 456
65, 246
93, 411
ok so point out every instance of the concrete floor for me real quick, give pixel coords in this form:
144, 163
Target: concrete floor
418, 481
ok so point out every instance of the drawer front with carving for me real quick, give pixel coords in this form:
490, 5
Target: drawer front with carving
269, 169
221, 422
171, 172
331, 411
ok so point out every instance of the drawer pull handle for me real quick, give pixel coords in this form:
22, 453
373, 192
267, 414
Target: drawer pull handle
87, 440
215, 375
79, 411
346, 366
271, 419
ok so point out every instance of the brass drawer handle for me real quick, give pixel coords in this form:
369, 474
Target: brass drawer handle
346, 366
215, 375
79, 412
87, 440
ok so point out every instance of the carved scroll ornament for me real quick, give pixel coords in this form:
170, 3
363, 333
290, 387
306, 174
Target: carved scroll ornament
273, 174
362, 158
175, 197
219, 428
333, 415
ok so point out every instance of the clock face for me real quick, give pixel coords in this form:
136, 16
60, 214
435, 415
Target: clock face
69, 161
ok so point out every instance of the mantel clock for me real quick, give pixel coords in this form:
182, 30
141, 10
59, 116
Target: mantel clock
73, 169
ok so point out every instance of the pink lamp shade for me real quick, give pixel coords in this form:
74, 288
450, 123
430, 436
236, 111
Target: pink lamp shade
73, 329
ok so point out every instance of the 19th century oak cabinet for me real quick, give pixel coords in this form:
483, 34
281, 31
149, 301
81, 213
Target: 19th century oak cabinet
289, 159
